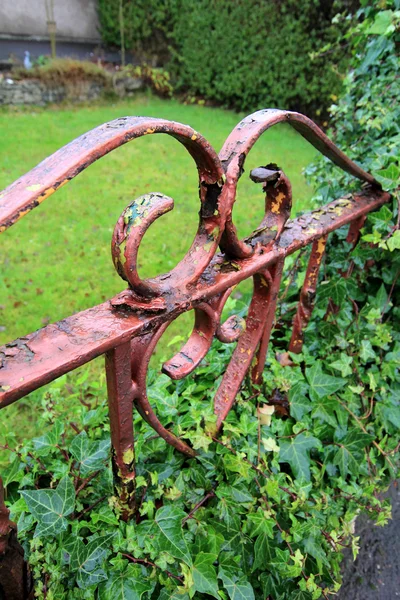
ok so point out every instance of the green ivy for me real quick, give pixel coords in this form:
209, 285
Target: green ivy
266, 509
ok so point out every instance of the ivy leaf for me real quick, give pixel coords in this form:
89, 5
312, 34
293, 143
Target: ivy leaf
171, 595
25, 523
382, 22
392, 414
262, 552
366, 351
13, 472
50, 507
280, 562
46, 443
300, 405
86, 560
300, 595
89, 454
335, 289
343, 364
381, 299
270, 586
208, 540
322, 384
314, 548
169, 521
238, 588
240, 494
205, 575
129, 584
324, 410
393, 242
350, 452
262, 524
296, 452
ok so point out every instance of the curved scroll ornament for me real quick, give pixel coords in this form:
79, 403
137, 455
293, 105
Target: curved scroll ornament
130, 325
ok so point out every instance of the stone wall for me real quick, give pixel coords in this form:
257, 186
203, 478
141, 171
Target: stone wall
33, 91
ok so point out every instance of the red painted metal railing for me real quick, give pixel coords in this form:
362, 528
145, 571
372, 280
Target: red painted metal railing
127, 328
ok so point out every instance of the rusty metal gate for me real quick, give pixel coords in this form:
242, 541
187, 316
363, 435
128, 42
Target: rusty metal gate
127, 328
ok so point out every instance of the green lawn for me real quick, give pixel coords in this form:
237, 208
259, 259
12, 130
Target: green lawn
57, 260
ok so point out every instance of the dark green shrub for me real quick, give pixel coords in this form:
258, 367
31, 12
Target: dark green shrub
252, 55
146, 25
246, 55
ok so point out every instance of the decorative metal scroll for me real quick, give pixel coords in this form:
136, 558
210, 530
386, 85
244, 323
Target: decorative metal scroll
127, 328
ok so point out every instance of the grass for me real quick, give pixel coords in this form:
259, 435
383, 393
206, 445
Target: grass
56, 261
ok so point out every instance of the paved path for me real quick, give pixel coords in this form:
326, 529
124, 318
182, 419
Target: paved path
375, 575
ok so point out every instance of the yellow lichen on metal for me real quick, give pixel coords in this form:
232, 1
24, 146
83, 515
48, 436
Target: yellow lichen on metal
312, 230
128, 456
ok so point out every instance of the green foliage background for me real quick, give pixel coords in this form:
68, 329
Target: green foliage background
246, 55
264, 511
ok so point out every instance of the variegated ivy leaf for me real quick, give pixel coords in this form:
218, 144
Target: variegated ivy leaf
89, 454
50, 507
169, 521
237, 586
86, 559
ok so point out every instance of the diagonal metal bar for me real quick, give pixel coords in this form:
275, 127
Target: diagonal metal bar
37, 359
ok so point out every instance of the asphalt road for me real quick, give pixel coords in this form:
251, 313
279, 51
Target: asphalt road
375, 575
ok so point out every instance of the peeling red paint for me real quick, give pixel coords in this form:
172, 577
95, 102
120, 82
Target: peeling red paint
127, 328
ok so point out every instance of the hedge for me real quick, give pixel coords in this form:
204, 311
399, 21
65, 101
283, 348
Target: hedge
246, 55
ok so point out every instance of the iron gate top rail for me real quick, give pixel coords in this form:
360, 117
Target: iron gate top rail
127, 328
